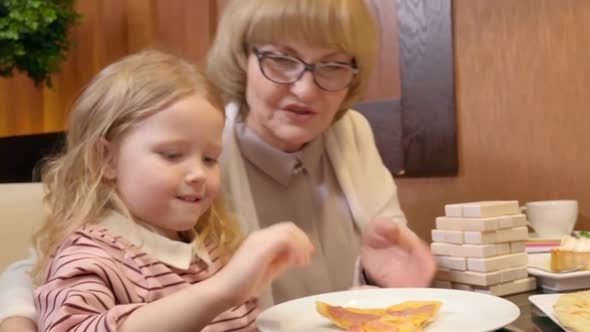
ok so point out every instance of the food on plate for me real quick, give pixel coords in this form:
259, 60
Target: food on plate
572, 253
573, 311
409, 316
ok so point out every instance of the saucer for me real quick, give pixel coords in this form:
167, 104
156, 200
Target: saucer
535, 237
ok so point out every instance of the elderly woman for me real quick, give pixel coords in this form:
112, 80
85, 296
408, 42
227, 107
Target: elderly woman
293, 150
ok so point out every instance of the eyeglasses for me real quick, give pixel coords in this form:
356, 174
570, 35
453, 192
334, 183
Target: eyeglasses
284, 69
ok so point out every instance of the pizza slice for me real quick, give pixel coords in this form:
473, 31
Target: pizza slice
384, 324
408, 316
573, 310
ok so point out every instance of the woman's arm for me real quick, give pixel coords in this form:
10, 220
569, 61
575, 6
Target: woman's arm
16, 297
367, 184
391, 254
18, 324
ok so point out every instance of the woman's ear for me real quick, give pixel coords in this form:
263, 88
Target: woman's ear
106, 152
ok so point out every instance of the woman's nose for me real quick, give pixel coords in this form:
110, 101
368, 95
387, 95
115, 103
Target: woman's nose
305, 88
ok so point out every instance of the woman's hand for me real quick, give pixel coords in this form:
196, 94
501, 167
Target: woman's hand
264, 255
18, 324
393, 256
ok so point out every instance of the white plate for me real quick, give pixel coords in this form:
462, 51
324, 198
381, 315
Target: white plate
460, 311
545, 303
539, 266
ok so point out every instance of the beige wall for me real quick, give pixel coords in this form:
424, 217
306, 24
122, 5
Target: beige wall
523, 94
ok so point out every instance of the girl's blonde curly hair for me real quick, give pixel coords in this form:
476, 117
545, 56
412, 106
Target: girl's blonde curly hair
120, 96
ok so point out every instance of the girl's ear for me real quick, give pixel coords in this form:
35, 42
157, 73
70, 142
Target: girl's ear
106, 152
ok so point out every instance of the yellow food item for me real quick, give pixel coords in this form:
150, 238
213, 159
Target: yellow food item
409, 316
572, 253
562, 260
573, 311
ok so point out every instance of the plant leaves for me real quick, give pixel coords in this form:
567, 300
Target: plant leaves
34, 36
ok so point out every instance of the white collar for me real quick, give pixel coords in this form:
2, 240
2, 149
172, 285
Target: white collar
170, 252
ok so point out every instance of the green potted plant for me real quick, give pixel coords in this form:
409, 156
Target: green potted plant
34, 36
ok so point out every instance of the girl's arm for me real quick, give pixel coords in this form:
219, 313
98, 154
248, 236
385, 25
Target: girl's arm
83, 300
188, 310
263, 256
82, 297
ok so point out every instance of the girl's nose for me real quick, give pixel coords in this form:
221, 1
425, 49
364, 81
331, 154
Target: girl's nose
196, 174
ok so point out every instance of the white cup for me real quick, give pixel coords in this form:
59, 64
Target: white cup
552, 218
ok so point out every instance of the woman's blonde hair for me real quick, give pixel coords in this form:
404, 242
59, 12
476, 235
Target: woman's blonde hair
120, 96
345, 25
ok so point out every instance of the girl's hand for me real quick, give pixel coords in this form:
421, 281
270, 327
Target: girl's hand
264, 255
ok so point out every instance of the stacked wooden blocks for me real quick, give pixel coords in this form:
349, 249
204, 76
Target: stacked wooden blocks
480, 246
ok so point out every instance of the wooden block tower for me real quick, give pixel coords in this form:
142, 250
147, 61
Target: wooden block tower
480, 246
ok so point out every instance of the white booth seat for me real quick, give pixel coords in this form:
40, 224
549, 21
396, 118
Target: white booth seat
21, 213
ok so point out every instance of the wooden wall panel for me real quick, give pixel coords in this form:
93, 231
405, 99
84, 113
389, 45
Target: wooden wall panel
385, 83
186, 28
522, 75
110, 29
19, 93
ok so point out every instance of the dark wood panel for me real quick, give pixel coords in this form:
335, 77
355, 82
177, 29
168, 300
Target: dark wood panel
385, 119
418, 135
427, 79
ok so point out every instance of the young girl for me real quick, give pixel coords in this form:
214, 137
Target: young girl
133, 215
